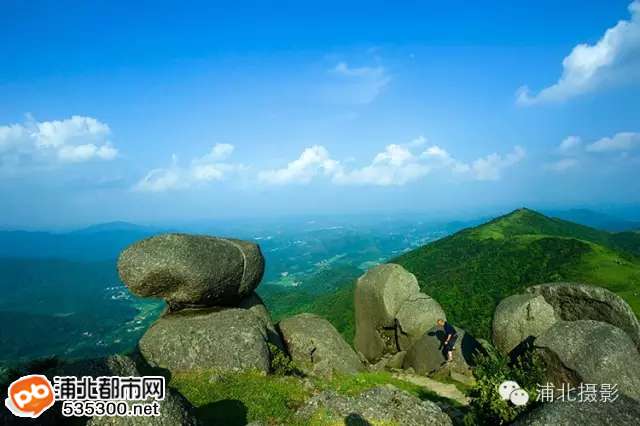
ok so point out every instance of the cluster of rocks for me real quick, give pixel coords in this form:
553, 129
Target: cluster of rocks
396, 325
215, 320
583, 334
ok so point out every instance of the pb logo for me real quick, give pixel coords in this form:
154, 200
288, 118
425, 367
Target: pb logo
30, 396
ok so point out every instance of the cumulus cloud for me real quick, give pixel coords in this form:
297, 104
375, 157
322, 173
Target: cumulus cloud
623, 141
74, 140
575, 152
312, 162
396, 165
492, 166
356, 85
208, 168
613, 59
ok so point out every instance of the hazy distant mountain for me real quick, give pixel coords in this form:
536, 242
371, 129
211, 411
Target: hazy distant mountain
117, 226
595, 219
96, 243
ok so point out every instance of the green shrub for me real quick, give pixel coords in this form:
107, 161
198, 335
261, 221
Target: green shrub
487, 407
281, 364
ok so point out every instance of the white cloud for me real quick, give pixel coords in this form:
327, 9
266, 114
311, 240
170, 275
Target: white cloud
312, 162
492, 166
614, 59
569, 145
73, 140
623, 141
356, 85
208, 168
395, 166
563, 165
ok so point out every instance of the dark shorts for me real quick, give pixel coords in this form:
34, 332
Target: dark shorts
452, 343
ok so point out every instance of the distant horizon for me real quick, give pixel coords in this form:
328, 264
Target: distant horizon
621, 212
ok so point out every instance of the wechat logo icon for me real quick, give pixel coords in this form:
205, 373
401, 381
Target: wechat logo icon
511, 391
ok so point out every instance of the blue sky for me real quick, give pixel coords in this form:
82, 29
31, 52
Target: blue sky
165, 111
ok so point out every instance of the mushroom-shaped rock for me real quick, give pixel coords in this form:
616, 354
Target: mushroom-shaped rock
380, 405
316, 346
230, 339
518, 319
622, 411
590, 352
573, 302
391, 312
192, 270
427, 354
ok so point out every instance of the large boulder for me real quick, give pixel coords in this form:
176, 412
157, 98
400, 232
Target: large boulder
588, 351
174, 408
391, 312
380, 405
230, 339
192, 270
427, 355
316, 346
255, 305
520, 318
573, 302
623, 411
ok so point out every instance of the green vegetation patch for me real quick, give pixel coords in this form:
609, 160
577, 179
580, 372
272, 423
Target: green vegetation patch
238, 398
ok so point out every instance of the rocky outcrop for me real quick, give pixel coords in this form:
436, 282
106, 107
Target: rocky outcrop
427, 355
572, 302
520, 318
174, 408
316, 346
588, 351
255, 305
192, 270
230, 339
623, 411
381, 405
391, 312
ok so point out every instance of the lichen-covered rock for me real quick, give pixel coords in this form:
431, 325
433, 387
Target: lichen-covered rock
573, 302
427, 354
192, 270
230, 339
623, 411
316, 346
255, 305
380, 405
391, 312
590, 352
415, 316
518, 318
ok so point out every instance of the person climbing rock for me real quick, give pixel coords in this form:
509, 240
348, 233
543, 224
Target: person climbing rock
449, 340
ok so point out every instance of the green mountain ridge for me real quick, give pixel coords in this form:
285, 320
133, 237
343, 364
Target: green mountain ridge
469, 272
